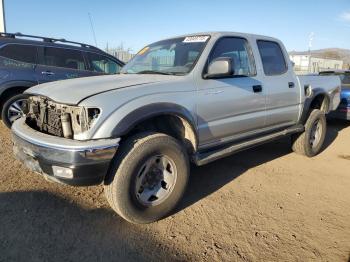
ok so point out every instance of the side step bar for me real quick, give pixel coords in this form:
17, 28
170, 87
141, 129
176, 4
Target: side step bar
207, 157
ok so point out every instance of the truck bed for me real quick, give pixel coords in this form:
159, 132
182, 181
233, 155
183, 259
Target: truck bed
328, 83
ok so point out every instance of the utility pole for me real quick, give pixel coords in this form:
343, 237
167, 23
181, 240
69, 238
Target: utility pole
311, 38
2, 19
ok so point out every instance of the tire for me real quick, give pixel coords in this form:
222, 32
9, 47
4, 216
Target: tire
125, 186
308, 143
13, 103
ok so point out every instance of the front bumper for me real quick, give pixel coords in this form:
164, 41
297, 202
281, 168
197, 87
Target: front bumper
72, 162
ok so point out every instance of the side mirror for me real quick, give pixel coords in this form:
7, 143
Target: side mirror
220, 68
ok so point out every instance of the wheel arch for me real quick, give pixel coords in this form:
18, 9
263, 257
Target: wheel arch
12, 88
321, 100
170, 118
318, 99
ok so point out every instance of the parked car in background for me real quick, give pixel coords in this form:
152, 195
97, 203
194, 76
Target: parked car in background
27, 60
192, 98
343, 111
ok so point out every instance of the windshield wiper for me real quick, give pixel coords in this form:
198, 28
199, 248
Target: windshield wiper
155, 72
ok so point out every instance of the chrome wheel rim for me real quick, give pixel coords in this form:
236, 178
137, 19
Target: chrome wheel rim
155, 180
15, 110
316, 133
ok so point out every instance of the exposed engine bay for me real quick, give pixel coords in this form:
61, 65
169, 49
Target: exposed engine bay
56, 119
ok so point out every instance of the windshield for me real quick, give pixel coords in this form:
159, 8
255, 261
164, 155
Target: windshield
174, 56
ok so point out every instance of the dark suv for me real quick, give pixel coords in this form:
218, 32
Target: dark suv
27, 60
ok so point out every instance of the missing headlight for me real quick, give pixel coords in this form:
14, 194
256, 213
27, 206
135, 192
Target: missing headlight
93, 114
83, 119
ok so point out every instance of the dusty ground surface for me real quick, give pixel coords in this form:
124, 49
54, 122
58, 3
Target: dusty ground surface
266, 204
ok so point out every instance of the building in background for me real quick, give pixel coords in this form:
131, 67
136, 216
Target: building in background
121, 53
314, 63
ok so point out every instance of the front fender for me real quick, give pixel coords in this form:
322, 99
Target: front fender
126, 117
308, 102
148, 111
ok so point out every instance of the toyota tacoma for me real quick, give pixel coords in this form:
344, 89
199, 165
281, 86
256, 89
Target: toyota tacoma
193, 98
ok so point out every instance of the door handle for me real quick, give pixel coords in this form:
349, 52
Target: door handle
48, 73
257, 88
291, 85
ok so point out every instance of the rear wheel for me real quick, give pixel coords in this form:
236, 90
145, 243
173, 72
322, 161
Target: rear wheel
13, 109
310, 142
148, 177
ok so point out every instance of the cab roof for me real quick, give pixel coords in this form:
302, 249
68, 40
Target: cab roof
228, 33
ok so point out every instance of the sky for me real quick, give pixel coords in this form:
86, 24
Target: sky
136, 23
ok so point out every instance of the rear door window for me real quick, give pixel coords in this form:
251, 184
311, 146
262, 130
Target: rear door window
102, 64
21, 53
272, 58
61, 57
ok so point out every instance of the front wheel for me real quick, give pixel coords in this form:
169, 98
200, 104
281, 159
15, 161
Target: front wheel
13, 109
310, 142
148, 177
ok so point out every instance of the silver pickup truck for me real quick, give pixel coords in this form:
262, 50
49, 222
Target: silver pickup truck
193, 98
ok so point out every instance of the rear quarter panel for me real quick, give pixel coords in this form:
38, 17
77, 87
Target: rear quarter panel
323, 84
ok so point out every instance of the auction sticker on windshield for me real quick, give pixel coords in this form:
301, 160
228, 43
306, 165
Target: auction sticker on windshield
144, 50
196, 39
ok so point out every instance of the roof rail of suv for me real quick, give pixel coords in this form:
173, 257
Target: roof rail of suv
47, 39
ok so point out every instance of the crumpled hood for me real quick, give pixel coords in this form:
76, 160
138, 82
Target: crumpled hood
73, 91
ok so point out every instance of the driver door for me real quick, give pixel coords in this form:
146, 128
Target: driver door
231, 108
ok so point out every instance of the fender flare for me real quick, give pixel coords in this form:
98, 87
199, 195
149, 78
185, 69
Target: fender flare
308, 101
152, 110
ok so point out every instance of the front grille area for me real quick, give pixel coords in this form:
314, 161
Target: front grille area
44, 116
49, 117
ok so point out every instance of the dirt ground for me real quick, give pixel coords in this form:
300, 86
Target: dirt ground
265, 204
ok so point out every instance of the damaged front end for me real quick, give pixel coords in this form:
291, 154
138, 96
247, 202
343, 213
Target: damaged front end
49, 117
